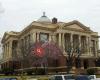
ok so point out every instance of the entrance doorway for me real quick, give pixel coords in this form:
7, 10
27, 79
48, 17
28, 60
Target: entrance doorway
86, 64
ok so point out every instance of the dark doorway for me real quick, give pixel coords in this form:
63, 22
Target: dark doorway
86, 64
78, 63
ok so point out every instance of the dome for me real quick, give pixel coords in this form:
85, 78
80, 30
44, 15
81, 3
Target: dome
43, 18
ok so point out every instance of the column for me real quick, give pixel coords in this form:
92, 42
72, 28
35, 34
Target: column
10, 49
63, 41
7, 50
89, 38
33, 37
54, 37
95, 48
50, 37
87, 48
80, 42
38, 33
59, 39
71, 39
4, 52
27, 42
97, 45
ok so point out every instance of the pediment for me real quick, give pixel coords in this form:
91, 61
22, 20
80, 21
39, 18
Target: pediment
6, 35
76, 25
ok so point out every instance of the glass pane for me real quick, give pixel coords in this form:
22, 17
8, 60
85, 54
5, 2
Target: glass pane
58, 78
68, 77
43, 37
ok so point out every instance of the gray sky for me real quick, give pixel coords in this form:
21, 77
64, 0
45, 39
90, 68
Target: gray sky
16, 14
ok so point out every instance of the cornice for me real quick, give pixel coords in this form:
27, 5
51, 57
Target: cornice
36, 27
73, 29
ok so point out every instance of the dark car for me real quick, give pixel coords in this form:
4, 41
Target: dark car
8, 78
83, 77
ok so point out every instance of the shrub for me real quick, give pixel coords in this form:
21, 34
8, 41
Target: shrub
8, 71
91, 71
29, 72
40, 71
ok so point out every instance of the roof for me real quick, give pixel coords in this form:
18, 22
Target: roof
8, 34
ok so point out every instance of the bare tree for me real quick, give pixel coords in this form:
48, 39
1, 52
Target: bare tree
73, 56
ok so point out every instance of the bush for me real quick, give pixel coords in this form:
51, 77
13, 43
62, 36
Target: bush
91, 71
40, 71
7, 71
29, 72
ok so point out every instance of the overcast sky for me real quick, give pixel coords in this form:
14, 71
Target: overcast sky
17, 14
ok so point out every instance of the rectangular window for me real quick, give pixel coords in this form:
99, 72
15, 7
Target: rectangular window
43, 37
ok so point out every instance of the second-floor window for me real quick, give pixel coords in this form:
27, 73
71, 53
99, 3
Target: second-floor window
44, 37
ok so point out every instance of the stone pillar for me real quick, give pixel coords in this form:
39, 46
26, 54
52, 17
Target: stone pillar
79, 42
54, 37
50, 37
63, 41
37, 36
27, 42
7, 51
10, 49
33, 38
97, 45
4, 51
89, 45
71, 39
59, 39
96, 48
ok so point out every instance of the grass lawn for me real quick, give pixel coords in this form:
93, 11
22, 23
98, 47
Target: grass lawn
8, 76
26, 77
98, 76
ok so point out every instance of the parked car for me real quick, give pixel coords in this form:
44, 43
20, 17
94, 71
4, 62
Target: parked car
92, 77
8, 79
62, 77
82, 77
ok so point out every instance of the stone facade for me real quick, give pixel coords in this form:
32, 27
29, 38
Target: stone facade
73, 33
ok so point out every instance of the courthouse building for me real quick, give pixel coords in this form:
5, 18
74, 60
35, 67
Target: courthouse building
62, 33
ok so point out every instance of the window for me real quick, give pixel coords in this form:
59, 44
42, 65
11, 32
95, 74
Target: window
43, 37
69, 77
58, 78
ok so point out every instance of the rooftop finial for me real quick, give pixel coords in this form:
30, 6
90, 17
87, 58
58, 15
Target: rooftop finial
43, 13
